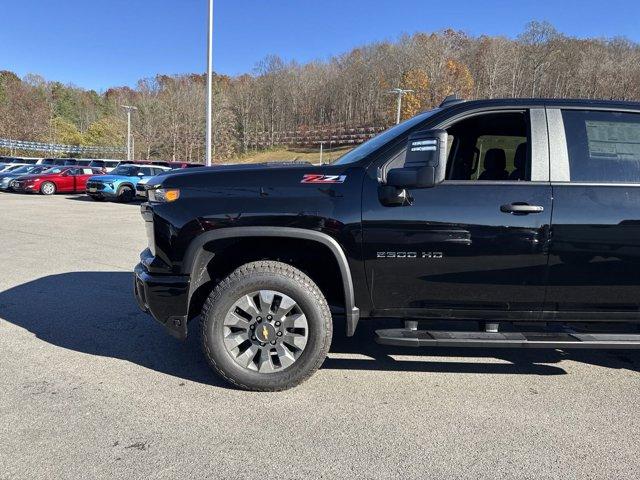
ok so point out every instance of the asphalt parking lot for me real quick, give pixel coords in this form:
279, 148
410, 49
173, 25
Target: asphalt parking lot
93, 388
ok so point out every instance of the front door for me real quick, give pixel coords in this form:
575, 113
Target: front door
476, 245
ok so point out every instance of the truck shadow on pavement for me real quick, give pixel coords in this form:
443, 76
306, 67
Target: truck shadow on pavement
96, 313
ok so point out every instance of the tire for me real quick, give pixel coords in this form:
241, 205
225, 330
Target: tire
48, 188
286, 366
125, 194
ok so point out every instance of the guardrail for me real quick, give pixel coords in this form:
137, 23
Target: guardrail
58, 148
334, 136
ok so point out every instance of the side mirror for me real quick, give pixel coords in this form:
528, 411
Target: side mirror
425, 162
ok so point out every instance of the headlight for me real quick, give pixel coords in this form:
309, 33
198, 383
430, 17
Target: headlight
164, 195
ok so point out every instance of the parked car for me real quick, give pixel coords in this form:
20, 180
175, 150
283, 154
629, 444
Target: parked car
59, 162
7, 177
55, 180
520, 215
19, 160
106, 165
121, 183
176, 165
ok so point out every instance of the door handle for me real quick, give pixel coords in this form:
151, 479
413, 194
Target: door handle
521, 208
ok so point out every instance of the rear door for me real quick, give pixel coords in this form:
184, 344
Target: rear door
82, 177
467, 247
594, 263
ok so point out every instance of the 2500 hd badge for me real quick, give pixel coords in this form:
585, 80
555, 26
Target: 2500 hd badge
409, 255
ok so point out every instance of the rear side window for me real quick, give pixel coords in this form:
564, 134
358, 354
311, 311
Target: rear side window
603, 146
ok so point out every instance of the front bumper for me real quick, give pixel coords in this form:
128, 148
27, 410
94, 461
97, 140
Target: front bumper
101, 190
165, 297
25, 188
141, 191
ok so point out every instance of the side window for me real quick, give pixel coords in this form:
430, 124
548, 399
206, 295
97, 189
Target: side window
603, 146
147, 171
491, 147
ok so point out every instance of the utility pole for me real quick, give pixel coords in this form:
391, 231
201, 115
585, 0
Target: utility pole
399, 92
129, 109
209, 85
321, 144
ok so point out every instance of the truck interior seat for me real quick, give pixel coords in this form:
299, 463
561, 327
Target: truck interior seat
520, 163
495, 163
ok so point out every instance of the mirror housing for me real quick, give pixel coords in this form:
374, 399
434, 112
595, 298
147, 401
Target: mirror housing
425, 162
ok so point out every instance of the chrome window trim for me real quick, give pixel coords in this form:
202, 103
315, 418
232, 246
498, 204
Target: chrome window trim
540, 169
558, 153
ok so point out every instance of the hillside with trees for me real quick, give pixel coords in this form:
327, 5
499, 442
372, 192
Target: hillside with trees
252, 111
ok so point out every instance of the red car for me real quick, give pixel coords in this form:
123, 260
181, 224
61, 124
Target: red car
68, 179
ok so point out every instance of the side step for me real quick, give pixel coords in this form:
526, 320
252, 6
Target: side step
439, 338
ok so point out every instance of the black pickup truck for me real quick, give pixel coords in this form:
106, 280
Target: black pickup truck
515, 221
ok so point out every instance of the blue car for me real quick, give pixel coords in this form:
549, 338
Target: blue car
120, 184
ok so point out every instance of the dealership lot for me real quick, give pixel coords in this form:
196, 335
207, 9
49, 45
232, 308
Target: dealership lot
91, 387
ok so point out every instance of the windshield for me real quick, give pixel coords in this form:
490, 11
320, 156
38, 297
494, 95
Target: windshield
126, 170
378, 141
24, 169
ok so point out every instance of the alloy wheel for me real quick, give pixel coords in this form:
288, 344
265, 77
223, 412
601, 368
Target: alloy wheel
48, 188
265, 331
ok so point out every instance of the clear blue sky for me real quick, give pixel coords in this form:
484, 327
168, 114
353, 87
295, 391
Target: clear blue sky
103, 43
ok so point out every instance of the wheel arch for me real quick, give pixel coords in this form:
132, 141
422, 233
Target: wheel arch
198, 258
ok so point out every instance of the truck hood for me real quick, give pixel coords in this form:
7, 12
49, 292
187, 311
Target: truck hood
252, 175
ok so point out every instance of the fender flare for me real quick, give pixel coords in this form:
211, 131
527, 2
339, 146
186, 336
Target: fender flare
196, 259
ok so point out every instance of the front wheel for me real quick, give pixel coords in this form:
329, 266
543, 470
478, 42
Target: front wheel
125, 194
48, 188
266, 327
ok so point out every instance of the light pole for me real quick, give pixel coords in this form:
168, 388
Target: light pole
129, 109
209, 84
399, 92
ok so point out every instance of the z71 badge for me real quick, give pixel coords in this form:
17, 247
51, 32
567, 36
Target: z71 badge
316, 178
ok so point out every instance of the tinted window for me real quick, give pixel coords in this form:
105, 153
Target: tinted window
603, 146
490, 147
126, 170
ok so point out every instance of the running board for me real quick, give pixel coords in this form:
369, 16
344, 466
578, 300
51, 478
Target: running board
439, 338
